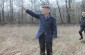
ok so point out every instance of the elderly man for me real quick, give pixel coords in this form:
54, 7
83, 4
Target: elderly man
47, 29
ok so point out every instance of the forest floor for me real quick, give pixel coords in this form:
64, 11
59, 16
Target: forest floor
16, 40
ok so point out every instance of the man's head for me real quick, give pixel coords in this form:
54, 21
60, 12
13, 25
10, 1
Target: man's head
83, 14
45, 10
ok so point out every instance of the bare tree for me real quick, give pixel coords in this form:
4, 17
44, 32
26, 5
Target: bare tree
83, 5
0, 10
3, 11
11, 11
22, 12
59, 11
67, 2
45, 2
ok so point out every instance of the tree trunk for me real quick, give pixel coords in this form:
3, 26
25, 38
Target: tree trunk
83, 5
11, 11
2, 12
68, 14
59, 12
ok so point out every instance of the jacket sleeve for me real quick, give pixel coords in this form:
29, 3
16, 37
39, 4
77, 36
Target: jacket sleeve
80, 20
54, 28
32, 14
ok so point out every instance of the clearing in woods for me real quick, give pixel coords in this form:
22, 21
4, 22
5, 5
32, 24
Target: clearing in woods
20, 41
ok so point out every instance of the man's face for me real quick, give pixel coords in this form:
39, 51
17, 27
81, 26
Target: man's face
83, 14
45, 11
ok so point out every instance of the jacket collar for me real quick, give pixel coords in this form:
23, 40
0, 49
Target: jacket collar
83, 17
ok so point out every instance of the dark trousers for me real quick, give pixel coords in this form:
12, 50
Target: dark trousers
44, 45
81, 30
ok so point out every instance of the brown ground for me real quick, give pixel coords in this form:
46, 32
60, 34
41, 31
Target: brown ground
20, 41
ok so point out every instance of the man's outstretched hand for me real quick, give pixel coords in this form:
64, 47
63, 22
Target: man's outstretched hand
23, 8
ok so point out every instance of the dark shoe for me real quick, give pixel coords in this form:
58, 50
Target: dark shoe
49, 54
81, 38
42, 54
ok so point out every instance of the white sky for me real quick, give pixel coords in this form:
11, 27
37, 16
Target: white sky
61, 2
26, 2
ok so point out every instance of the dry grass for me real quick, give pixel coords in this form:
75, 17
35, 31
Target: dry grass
20, 41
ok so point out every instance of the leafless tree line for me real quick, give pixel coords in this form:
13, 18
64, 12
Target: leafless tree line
11, 13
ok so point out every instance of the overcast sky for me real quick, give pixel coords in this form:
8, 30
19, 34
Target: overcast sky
62, 2
26, 3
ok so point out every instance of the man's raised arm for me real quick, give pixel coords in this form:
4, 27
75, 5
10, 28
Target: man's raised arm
31, 13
